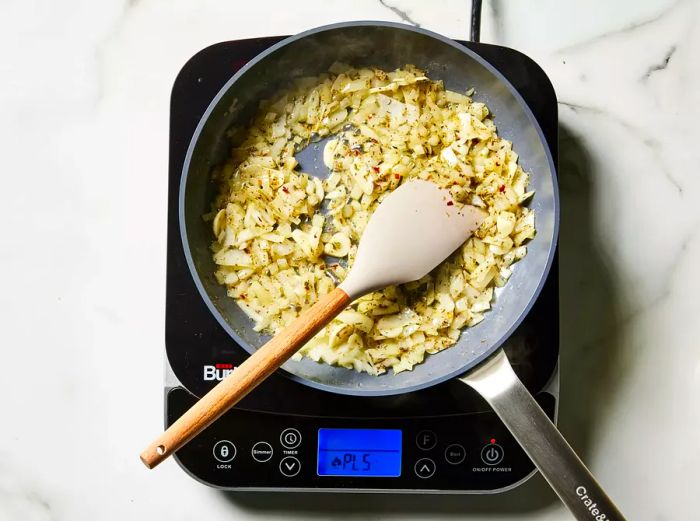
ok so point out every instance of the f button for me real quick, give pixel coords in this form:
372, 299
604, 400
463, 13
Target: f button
426, 440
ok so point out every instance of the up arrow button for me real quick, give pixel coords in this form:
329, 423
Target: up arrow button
424, 468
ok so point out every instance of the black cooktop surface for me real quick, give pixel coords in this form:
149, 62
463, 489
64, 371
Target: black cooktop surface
199, 351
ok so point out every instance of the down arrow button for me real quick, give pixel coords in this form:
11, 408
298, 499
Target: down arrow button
290, 466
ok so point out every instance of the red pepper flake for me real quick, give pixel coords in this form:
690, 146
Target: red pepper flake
242, 296
397, 176
450, 203
502, 188
376, 169
285, 189
356, 151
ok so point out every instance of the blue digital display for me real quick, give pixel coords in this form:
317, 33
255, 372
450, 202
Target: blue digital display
359, 453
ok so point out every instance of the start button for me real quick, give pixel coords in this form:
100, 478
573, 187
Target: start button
455, 454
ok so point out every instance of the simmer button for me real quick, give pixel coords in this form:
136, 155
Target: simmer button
262, 452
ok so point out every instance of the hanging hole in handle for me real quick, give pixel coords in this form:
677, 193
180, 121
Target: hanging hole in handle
160, 449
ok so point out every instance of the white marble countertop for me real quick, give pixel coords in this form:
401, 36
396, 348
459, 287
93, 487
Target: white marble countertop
84, 96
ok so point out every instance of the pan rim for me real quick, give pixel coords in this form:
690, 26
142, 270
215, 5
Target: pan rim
436, 379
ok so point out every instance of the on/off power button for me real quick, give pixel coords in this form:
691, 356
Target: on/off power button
492, 454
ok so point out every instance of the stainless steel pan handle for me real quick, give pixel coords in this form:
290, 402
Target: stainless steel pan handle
496, 382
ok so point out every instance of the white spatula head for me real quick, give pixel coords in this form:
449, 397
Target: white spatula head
413, 230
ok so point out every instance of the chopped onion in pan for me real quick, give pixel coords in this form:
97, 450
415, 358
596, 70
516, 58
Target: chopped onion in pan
283, 237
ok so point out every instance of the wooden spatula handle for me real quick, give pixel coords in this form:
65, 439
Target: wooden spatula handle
246, 377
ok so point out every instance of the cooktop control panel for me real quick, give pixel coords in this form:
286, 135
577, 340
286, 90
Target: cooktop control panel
253, 450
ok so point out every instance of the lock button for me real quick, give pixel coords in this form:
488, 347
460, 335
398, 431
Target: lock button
224, 451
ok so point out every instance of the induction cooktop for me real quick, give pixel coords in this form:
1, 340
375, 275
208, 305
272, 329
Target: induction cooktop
286, 436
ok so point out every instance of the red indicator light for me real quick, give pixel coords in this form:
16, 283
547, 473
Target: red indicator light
493, 440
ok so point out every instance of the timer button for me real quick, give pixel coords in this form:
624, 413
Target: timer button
262, 452
224, 451
426, 440
424, 468
455, 454
290, 466
290, 438
492, 454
